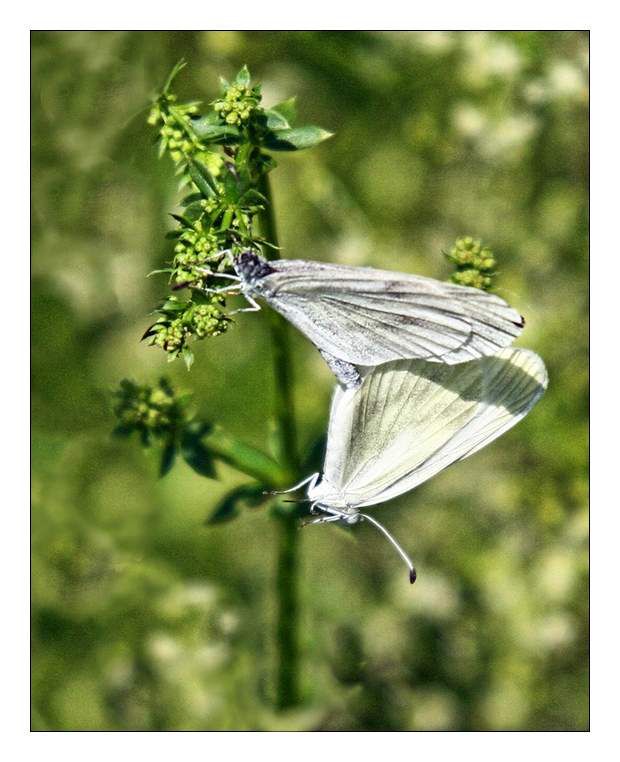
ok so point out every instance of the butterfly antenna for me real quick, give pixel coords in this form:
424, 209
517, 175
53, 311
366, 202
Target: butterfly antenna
401, 552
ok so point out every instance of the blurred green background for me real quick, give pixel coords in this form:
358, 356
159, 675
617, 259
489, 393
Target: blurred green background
143, 618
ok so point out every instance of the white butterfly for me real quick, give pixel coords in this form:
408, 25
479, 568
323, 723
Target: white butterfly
359, 316
411, 419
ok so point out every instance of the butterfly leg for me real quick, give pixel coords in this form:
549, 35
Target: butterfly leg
321, 520
232, 289
311, 480
254, 308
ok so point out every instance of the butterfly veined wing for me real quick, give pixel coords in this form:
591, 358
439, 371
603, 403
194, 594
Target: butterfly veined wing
366, 317
411, 419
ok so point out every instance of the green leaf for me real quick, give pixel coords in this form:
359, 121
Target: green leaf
172, 304
206, 131
188, 357
295, 139
202, 178
252, 495
286, 109
194, 211
167, 458
314, 456
243, 77
179, 66
241, 224
275, 120
191, 198
197, 456
181, 220
158, 272
183, 182
197, 428
226, 220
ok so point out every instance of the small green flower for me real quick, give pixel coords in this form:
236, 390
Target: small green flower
169, 336
181, 322
238, 104
473, 278
470, 252
209, 320
475, 263
149, 410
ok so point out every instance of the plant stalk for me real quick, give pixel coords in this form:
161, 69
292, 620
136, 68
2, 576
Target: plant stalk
287, 574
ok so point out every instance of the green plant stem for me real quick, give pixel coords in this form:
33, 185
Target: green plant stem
287, 575
243, 457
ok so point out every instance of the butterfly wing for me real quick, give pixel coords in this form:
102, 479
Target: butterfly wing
411, 419
367, 317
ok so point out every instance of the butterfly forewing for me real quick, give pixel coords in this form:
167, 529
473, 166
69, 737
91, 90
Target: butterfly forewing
366, 317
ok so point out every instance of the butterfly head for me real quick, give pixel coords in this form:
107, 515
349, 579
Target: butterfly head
250, 267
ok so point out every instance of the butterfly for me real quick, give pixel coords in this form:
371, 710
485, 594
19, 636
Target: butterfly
408, 421
361, 317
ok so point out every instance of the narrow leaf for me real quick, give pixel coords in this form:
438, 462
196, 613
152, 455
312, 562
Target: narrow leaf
188, 357
296, 138
202, 178
179, 66
167, 458
208, 132
275, 120
287, 109
228, 507
197, 456
158, 272
191, 198
243, 77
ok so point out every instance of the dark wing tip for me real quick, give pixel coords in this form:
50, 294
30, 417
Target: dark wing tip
521, 322
412, 576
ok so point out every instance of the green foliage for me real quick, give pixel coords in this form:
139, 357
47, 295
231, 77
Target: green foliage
220, 156
144, 619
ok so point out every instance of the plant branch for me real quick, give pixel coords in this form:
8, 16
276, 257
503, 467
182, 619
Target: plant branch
284, 409
287, 575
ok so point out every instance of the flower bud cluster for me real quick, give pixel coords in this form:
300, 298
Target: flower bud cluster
475, 263
471, 253
177, 136
237, 105
170, 335
175, 328
472, 278
209, 320
195, 249
147, 409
